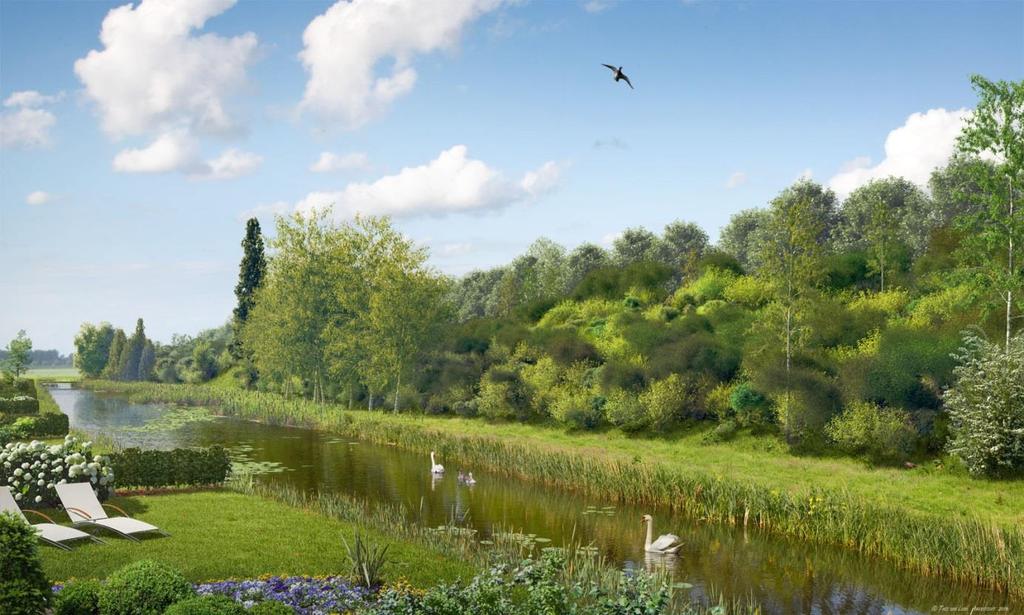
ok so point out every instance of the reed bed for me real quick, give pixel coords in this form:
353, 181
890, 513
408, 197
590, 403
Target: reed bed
965, 549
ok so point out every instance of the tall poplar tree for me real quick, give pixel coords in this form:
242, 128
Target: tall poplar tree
118, 346
132, 356
251, 271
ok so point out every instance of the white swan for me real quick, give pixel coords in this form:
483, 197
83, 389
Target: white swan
666, 543
435, 468
470, 480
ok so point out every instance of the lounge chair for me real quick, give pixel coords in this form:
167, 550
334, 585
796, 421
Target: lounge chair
84, 508
50, 533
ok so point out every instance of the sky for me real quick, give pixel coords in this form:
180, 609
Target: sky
135, 139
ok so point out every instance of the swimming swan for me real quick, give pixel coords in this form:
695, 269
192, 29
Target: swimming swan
435, 468
666, 543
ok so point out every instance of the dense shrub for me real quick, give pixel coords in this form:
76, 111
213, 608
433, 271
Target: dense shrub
207, 605
883, 434
32, 470
665, 401
78, 598
24, 589
144, 587
134, 467
751, 408
711, 284
48, 424
503, 395
986, 407
624, 410
748, 291
614, 282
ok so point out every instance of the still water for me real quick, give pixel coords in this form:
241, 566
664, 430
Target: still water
784, 576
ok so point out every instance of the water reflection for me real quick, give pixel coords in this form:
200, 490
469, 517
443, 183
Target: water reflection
785, 576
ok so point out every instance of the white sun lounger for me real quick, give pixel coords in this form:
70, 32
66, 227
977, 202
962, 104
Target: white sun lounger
84, 508
50, 533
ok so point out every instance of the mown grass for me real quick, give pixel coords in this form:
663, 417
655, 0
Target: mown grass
63, 374
46, 401
223, 534
925, 522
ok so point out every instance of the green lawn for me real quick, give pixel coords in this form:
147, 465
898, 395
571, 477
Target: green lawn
764, 460
65, 374
218, 535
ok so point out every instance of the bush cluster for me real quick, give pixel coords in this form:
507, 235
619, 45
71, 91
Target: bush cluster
34, 426
144, 587
32, 470
179, 467
24, 589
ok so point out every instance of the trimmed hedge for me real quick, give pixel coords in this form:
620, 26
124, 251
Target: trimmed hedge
40, 425
135, 467
144, 587
18, 397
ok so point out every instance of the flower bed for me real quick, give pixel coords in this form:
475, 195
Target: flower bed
33, 469
306, 595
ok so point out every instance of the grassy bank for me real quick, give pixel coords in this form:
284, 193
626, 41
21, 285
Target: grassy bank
222, 534
932, 523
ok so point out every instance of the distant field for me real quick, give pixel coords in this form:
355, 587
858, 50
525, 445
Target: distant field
54, 373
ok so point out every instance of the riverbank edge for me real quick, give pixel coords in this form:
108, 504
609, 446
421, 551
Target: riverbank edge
969, 550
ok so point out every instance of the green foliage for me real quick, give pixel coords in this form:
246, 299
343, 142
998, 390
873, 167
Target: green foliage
986, 407
207, 605
366, 562
19, 404
92, 348
742, 236
24, 589
748, 291
37, 426
883, 434
78, 598
711, 284
503, 394
145, 587
614, 282
750, 406
665, 401
19, 355
250, 272
624, 410
135, 467
118, 347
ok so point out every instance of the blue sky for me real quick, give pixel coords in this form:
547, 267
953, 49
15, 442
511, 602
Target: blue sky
123, 184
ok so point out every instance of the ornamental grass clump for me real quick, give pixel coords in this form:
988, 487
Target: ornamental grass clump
32, 470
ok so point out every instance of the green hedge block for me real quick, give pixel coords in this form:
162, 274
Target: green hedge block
134, 467
19, 404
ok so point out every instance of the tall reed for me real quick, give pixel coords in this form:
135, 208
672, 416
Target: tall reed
965, 549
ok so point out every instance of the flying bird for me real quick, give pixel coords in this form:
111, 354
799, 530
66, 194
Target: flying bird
619, 75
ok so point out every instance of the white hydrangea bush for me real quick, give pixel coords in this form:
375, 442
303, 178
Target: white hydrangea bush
33, 470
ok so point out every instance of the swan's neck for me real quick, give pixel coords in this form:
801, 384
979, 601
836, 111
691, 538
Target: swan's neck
650, 533
432, 462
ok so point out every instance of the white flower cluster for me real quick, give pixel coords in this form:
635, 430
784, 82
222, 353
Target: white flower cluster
33, 469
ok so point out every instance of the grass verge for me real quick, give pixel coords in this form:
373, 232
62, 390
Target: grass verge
932, 523
223, 534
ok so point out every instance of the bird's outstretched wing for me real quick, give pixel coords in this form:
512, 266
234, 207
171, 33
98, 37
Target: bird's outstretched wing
613, 69
626, 79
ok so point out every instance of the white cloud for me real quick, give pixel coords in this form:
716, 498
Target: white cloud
736, 179
330, 162
31, 99
452, 182
38, 198
924, 141
229, 165
153, 73
26, 128
344, 47
179, 151
169, 152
